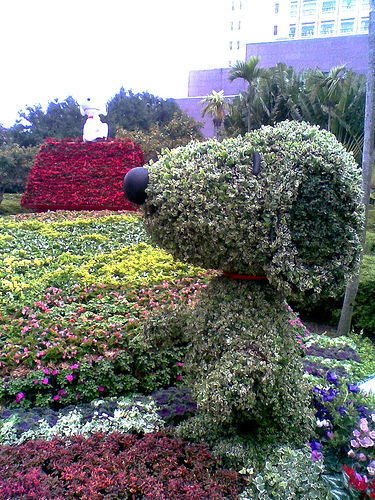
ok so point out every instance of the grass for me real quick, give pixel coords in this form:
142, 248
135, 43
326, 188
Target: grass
11, 205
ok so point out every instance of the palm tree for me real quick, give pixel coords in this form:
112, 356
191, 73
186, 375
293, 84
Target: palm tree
249, 72
215, 107
328, 89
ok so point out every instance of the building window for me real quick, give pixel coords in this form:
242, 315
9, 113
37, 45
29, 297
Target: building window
275, 30
364, 24
309, 8
293, 9
238, 45
348, 4
240, 5
365, 4
292, 31
230, 64
230, 45
347, 26
326, 28
329, 6
307, 29
232, 5
231, 26
276, 8
239, 25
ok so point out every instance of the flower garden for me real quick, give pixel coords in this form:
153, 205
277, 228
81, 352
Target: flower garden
88, 408
92, 408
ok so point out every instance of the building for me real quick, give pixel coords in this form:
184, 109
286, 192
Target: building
290, 19
301, 33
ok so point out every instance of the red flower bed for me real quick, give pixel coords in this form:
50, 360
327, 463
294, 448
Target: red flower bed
77, 175
157, 466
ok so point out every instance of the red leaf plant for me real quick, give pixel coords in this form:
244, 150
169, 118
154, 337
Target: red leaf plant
116, 466
77, 175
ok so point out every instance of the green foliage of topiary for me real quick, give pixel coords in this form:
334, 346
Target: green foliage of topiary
294, 219
297, 221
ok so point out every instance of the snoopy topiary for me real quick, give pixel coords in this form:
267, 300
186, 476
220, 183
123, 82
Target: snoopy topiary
278, 212
93, 129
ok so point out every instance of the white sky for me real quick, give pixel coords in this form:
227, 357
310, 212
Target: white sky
90, 48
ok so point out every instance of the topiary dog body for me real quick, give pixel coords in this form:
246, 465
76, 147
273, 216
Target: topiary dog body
279, 212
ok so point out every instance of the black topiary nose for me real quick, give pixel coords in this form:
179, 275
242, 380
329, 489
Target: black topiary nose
135, 184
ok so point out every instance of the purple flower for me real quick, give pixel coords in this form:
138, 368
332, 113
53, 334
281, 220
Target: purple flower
354, 443
332, 378
315, 445
342, 410
366, 442
74, 367
56, 398
101, 388
316, 456
353, 388
45, 381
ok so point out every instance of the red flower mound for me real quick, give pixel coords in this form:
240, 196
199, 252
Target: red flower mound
117, 466
77, 175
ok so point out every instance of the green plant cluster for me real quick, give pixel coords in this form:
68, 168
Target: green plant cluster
125, 415
290, 475
243, 363
297, 221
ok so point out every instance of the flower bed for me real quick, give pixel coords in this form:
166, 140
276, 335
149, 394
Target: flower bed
76, 175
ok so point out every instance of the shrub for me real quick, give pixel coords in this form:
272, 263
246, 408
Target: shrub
290, 475
75, 175
136, 414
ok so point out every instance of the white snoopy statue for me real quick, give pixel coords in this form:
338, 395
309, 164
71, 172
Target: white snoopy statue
94, 128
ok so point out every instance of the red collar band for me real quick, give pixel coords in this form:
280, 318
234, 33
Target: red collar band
244, 277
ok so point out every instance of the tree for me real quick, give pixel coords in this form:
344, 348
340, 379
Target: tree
327, 88
15, 165
367, 168
61, 119
178, 132
215, 106
138, 111
249, 72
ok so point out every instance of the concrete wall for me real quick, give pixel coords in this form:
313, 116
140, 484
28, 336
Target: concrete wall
312, 52
203, 82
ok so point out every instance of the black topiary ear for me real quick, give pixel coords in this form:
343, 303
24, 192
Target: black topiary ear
135, 184
256, 163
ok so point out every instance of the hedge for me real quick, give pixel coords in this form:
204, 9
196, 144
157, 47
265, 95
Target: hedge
76, 175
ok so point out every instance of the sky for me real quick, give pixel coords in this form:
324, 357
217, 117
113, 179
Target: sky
52, 49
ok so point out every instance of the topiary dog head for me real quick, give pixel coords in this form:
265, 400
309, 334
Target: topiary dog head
282, 201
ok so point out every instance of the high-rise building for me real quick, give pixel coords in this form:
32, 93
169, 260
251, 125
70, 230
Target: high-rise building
249, 21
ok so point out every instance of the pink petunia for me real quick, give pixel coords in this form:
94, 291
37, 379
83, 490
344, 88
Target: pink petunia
69, 377
45, 381
19, 397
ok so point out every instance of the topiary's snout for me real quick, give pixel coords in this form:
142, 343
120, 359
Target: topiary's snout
135, 184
